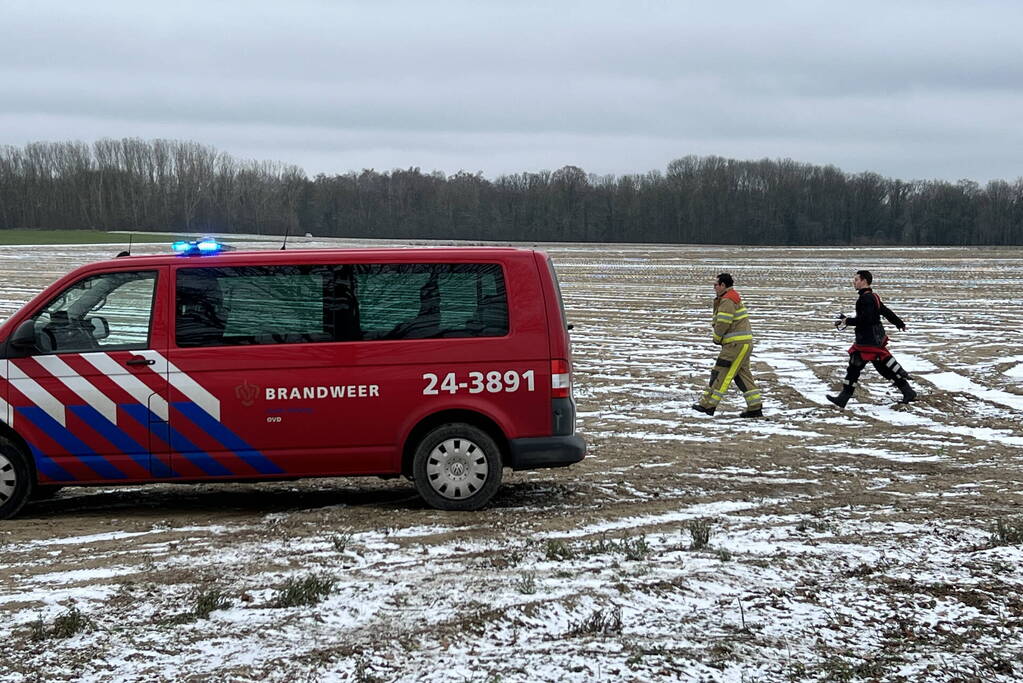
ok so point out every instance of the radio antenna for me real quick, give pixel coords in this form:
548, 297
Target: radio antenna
284, 244
127, 252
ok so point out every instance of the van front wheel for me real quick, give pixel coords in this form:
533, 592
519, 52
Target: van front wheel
15, 482
457, 467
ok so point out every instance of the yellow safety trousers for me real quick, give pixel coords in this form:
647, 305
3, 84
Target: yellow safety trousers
733, 364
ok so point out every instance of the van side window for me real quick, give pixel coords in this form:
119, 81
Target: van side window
255, 305
108, 312
326, 303
431, 300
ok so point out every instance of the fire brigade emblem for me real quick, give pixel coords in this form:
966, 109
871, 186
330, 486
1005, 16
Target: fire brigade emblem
246, 393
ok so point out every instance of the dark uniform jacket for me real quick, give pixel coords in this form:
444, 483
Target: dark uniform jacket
867, 321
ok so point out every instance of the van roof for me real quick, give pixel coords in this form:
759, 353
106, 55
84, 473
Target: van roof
271, 256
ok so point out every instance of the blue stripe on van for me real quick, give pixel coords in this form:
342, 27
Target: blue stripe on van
45, 465
109, 431
71, 443
232, 441
148, 419
182, 447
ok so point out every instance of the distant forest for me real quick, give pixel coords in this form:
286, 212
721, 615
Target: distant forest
165, 185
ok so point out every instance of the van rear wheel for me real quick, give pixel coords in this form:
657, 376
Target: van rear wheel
457, 467
15, 479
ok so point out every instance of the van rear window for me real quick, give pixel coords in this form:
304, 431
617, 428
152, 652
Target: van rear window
325, 303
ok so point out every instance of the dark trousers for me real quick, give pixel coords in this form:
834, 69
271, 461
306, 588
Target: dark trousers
888, 368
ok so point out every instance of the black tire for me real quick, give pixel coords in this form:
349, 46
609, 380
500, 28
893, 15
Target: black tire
45, 491
457, 467
15, 479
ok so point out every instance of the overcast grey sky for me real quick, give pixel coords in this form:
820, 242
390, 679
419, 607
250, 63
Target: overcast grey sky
907, 89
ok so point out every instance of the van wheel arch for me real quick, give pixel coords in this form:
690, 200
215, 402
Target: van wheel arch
431, 422
7, 432
17, 477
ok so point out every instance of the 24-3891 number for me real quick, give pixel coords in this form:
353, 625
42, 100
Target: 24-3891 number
477, 382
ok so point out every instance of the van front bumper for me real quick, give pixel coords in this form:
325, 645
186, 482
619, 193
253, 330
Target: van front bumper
545, 451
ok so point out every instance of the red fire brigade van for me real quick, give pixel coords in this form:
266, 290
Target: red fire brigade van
444, 365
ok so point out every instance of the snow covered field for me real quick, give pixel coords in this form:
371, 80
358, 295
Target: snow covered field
882, 542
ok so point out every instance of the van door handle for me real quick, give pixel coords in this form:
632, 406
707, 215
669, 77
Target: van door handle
139, 360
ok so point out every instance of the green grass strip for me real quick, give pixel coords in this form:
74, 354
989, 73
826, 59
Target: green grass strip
23, 236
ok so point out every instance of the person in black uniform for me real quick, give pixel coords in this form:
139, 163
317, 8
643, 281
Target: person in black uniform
871, 342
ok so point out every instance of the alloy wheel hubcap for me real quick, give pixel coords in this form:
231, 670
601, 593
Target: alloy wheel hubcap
8, 479
457, 468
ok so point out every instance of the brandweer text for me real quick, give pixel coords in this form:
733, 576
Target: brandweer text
333, 391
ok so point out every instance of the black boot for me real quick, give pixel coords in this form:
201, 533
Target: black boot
842, 398
703, 409
759, 412
908, 395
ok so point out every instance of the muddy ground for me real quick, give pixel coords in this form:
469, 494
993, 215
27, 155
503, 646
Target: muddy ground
880, 542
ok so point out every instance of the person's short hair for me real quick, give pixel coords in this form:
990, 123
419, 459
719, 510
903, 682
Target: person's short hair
865, 274
725, 279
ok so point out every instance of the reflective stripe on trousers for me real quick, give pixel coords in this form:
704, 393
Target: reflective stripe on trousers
737, 369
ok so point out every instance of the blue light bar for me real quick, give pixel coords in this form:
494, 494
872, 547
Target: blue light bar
207, 246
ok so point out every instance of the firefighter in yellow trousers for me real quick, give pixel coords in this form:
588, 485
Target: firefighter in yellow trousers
733, 332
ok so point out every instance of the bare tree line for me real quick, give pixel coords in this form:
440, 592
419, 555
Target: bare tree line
146, 185
183, 186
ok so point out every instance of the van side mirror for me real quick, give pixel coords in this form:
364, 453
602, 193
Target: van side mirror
24, 338
99, 326
25, 341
